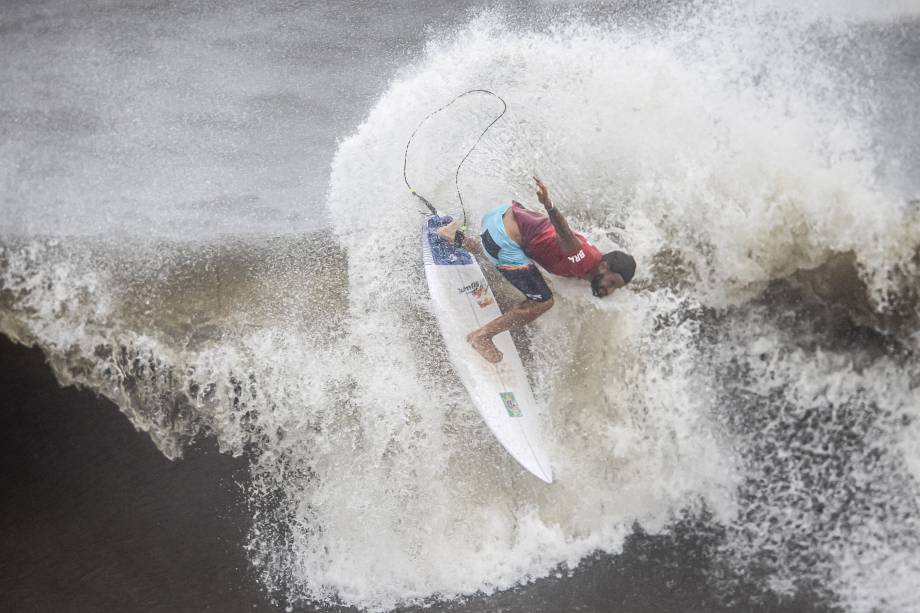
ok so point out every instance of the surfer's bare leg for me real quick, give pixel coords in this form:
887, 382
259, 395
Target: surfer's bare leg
449, 231
520, 315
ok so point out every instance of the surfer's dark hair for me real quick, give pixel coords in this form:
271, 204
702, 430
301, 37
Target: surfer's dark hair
622, 263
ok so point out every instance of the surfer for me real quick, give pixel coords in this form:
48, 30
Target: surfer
514, 238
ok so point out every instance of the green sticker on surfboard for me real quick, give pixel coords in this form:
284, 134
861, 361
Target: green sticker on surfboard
511, 404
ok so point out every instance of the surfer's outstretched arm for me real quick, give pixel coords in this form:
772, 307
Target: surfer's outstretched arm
567, 240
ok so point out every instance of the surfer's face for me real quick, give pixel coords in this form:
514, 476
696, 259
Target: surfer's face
605, 282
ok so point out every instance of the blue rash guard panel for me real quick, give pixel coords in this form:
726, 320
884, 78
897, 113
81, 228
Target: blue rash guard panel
508, 253
509, 258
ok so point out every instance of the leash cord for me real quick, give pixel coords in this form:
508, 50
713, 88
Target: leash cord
424, 200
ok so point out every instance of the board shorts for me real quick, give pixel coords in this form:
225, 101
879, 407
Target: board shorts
509, 258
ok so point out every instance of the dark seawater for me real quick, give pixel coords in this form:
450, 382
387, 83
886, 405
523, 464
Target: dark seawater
95, 519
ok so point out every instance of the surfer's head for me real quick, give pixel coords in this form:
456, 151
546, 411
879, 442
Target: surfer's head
615, 270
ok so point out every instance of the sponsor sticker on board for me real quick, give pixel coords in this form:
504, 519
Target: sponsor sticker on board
511, 404
479, 290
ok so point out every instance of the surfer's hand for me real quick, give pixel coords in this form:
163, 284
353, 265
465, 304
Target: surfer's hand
543, 194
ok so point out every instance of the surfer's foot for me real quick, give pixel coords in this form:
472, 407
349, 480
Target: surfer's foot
482, 343
448, 232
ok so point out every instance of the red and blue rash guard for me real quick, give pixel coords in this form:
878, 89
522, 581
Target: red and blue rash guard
542, 245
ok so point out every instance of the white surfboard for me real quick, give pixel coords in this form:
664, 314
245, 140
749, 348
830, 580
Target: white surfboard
463, 301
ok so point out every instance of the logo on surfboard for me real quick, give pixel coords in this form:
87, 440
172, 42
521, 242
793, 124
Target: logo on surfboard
479, 290
511, 404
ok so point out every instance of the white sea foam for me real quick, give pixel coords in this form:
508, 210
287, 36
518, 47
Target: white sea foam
689, 143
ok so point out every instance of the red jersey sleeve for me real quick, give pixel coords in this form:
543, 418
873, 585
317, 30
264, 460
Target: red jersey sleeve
585, 259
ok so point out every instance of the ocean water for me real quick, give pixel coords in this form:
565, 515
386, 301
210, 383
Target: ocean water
204, 220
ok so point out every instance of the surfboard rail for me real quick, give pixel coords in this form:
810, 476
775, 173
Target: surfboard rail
463, 301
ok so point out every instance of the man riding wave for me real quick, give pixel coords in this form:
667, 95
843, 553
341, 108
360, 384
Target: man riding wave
513, 238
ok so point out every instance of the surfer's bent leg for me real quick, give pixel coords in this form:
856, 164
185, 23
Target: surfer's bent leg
508, 256
539, 299
522, 314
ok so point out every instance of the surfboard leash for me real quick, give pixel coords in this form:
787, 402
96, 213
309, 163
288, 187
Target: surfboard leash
424, 200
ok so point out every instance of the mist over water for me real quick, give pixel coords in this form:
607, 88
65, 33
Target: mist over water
761, 372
